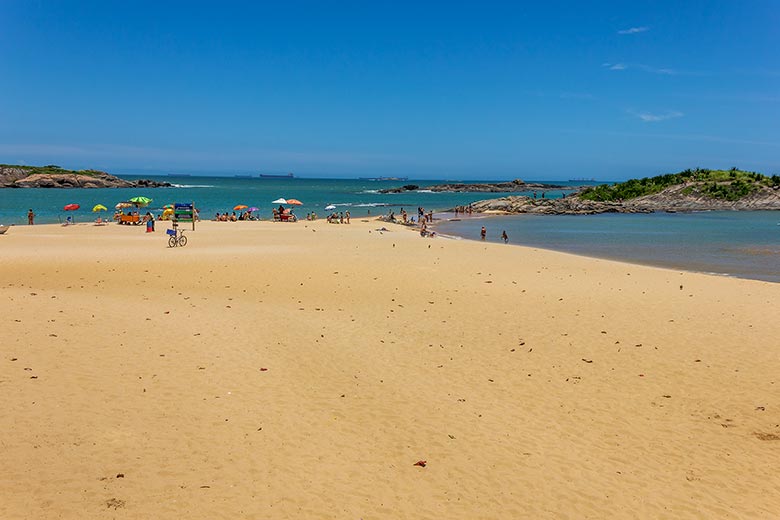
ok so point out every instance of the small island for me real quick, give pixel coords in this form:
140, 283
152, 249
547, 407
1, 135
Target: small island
53, 176
690, 190
494, 187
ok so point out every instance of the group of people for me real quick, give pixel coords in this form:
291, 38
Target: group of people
463, 210
338, 218
422, 216
224, 217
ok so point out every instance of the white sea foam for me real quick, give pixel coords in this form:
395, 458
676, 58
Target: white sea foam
372, 205
192, 185
369, 191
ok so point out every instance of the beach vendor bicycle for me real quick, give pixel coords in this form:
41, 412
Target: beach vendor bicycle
176, 236
185, 213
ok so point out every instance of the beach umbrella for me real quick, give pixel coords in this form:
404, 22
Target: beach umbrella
168, 206
122, 205
99, 207
240, 207
71, 207
294, 202
279, 201
141, 201
253, 208
330, 207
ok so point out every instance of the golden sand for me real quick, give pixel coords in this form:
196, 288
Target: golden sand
274, 370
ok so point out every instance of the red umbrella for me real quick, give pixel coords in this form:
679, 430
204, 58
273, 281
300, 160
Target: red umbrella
71, 207
294, 202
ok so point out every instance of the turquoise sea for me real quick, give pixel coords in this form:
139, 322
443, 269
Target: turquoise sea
743, 244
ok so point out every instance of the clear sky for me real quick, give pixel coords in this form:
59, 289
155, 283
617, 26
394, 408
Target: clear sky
537, 90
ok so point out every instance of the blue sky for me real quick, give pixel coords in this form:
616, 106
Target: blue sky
434, 90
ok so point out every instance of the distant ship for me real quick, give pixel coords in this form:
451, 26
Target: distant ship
383, 178
277, 176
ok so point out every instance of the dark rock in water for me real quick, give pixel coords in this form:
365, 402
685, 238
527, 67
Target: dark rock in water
497, 187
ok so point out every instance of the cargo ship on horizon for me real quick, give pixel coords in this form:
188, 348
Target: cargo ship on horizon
277, 176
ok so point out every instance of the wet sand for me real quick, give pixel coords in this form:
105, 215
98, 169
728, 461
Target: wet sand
272, 370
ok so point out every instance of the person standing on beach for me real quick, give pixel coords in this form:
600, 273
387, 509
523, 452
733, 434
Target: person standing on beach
483, 233
30, 217
504, 236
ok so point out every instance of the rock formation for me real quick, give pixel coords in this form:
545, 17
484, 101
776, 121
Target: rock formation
678, 198
53, 177
496, 187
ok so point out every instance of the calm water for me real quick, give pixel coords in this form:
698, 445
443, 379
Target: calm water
744, 244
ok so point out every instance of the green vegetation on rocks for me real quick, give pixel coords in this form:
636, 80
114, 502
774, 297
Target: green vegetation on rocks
731, 185
49, 169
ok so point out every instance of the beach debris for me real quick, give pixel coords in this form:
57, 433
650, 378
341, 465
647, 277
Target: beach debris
120, 475
451, 436
263, 369
421, 463
587, 360
760, 408
767, 436
115, 503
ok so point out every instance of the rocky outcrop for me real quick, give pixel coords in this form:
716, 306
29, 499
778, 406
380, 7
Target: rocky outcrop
496, 187
680, 198
21, 177
572, 205
689, 197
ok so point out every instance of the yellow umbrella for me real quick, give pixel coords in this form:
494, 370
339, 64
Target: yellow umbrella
99, 207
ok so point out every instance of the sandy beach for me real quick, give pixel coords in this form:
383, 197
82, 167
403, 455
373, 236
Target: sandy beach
272, 370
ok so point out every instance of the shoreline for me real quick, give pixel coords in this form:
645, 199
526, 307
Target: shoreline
669, 263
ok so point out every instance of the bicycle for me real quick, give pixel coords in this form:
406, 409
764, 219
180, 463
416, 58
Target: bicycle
176, 238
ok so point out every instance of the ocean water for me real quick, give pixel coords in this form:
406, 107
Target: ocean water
221, 194
742, 244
